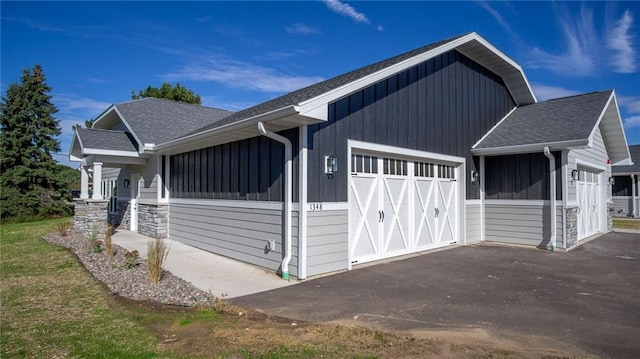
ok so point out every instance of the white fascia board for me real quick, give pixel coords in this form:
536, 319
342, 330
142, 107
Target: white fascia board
531, 148
73, 158
103, 115
624, 174
370, 79
617, 119
494, 127
265, 117
118, 159
133, 133
74, 140
97, 151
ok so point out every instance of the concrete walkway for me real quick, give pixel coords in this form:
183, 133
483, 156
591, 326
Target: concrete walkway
221, 276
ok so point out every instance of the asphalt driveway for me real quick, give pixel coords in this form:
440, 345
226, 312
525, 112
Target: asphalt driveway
589, 297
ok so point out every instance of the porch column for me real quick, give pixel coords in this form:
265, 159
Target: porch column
634, 195
97, 178
84, 183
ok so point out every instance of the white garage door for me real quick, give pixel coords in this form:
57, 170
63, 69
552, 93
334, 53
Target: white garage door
589, 208
397, 206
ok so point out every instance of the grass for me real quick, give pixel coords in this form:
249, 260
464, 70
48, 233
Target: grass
52, 308
624, 223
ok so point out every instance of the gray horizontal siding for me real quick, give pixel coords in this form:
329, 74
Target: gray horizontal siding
239, 233
120, 175
521, 224
623, 205
149, 179
327, 241
596, 155
474, 223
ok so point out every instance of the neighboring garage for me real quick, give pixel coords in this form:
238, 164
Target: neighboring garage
589, 194
401, 204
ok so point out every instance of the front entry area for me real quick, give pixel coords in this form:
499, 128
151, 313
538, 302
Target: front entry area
399, 206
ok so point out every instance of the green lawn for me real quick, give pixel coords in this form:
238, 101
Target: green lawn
624, 223
52, 308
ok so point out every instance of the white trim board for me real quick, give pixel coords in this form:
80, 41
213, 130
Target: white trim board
231, 203
401, 151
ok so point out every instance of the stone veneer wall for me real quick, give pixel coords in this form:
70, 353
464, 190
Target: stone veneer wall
571, 226
610, 211
89, 215
153, 219
122, 218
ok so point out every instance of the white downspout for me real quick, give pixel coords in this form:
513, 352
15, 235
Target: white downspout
552, 187
287, 194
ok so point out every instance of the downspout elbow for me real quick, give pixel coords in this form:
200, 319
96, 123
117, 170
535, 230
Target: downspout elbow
288, 194
552, 195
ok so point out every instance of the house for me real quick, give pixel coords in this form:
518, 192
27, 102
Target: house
443, 145
626, 201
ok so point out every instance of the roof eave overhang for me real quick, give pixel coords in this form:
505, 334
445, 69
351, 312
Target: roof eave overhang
278, 120
471, 45
625, 173
610, 123
531, 148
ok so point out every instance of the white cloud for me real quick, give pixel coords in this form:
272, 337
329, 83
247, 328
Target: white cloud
581, 52
347, 10
217, 102
301, 29
632, 122
499, 18
68, 103
545, 92
620, 41
630, 103
242, 75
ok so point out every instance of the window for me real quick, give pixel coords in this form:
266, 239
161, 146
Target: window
392, 166
364, 164
424, 169
445, 171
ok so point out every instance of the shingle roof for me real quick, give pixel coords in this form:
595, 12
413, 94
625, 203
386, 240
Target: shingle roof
309, 92
563, 119
158, 120
635, 157
106, 140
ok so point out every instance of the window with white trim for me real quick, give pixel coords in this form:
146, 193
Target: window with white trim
364, 164
394, 167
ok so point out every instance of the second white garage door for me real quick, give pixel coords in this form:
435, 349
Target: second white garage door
399, 206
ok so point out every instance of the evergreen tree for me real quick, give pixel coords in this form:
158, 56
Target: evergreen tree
175, 93
32, 184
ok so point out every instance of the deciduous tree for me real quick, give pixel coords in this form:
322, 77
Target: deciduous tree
167, 91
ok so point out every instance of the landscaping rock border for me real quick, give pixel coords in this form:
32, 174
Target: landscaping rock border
131, 283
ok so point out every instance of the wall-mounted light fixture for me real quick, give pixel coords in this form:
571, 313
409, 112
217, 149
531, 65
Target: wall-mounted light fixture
330, 164
475, 176
612, 180
575, 175
126, 183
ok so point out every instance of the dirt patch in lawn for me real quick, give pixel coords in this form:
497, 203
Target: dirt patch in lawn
230, 331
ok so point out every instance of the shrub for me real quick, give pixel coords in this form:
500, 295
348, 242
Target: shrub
131, 259
156, 254
64, 228
108, 245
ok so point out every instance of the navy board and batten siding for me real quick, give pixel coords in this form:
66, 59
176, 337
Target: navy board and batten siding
521, 177
238, 232
443, 105
246, 170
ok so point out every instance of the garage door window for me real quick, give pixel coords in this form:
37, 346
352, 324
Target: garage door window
394, 167
364, 164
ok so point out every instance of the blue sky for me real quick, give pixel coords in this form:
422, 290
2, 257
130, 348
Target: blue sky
236, 54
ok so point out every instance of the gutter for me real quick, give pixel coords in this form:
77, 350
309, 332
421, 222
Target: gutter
552, 195
287, 194
530, 148
269, 116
